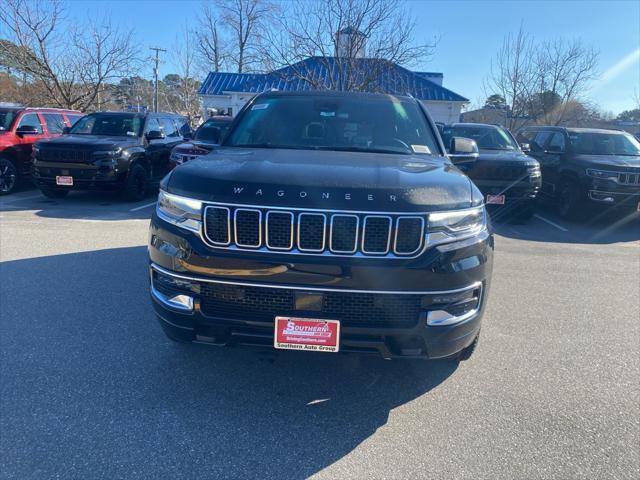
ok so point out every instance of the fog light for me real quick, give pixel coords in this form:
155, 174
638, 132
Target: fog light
182, 301
451, 308
179, 302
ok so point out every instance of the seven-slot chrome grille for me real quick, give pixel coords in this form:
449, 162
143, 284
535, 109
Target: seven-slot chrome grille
340, 233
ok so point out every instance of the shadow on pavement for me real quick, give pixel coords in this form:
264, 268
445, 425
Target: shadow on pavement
84, 205
92, 388
604, 227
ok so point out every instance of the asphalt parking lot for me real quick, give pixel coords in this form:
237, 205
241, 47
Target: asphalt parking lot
91, 388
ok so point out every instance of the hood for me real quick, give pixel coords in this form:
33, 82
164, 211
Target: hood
324, 179
599, 161
507, 156
90, 142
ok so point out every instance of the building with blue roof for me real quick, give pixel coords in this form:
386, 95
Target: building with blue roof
223, 92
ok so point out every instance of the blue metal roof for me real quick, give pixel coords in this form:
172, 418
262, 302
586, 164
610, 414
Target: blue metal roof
394, 80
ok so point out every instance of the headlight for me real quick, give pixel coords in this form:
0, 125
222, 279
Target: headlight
182, 212
456, 224
602, 174
107, 153
175, 157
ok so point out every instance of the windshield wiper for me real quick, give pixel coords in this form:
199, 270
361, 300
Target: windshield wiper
364, 149
265, 145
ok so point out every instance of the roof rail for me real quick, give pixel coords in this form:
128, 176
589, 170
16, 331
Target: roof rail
51, 108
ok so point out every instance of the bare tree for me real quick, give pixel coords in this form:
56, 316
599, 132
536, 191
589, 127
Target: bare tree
246, 21
356, 42
564, 70
186, 88
210, 43
542, 82
104, 53
72, 65
513, 76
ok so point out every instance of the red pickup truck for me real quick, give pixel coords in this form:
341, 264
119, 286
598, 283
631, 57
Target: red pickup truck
20, 128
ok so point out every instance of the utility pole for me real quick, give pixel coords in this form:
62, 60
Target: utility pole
155, 74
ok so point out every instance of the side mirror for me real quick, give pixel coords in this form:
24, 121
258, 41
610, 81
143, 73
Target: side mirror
27, 130
463, 150
66, 130
155, 135
525, 147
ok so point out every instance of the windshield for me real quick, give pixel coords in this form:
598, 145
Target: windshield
120, 125
591, 143
212, 131
6, 119
381, 124
487, 137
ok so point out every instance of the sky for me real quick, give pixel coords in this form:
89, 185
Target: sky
469, 32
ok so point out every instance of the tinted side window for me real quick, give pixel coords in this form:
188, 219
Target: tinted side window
557, 143
73, 118
153, 125
170, 129
183, 126
538, 143
525, 136
30, 120
54, 121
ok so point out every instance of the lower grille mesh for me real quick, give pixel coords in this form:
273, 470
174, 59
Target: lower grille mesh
263, 304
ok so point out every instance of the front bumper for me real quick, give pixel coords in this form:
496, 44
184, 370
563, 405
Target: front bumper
514, 191
192, 321
627, 198
85, 176
243, 285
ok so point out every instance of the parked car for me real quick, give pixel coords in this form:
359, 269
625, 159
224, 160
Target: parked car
329, 221
128, 152
206, 137
503, 172
20, 128
583, 168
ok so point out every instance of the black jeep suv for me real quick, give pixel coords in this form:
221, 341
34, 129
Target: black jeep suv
502, 172
109, 151
586, 168
324, 222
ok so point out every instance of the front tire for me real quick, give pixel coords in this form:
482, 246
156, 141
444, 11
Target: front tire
136, 187
467, 352
570, 205
525, 211
54, 192
8, 176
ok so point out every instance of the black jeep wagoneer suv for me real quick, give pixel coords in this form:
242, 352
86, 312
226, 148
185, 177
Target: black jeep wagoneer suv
325, 222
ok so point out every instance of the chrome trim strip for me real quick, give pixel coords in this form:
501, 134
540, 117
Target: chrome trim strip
266, 226
364, 234
235, 227
204, 223
327, 210
395, 239
315, 289
324, 232
355, 240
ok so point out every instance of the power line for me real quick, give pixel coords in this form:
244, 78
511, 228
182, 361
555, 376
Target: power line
155, 74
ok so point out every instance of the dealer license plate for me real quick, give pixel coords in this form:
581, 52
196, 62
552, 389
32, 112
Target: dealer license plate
64, 180
495, 199
311, 334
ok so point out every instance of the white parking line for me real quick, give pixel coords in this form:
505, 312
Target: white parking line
18, 199
142, 206
553, 224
